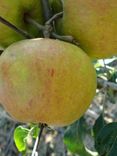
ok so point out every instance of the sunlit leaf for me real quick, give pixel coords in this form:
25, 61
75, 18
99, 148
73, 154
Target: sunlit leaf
20, 135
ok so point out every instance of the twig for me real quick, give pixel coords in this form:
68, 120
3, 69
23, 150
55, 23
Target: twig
48, 31
45, 29
42, 126
69, 39
54, 17
16, 29
33, 22
37, 142
46, 9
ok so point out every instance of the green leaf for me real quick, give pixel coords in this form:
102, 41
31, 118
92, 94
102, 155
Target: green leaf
106, 140
99, 124
73, 138
20, 135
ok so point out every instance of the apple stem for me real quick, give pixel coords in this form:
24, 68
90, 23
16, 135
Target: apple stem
37, 142
16, 29
48, 29
42, 126
46, 9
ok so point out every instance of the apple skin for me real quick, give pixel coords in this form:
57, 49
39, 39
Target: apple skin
93, 24
14, 11
46, 81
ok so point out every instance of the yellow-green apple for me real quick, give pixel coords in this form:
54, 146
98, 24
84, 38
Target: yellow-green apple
93, 24
46, 81
15, 12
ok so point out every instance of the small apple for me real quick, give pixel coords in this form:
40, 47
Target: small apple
15, 12
46, 81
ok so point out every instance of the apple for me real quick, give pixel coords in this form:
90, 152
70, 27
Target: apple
15, 12
46, 81
93, 24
